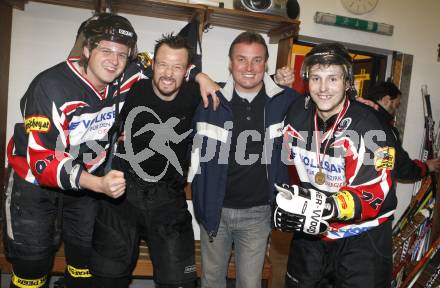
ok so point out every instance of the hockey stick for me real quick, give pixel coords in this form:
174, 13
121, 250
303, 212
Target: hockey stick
429, 130
433, 279
409, 242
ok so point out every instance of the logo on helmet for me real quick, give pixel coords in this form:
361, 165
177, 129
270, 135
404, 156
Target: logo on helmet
125, 32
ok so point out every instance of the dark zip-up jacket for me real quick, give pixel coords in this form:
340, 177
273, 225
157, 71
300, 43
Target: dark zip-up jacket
210, 152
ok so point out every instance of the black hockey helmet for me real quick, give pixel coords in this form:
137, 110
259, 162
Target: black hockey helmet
111, 27
328, 54
332, 53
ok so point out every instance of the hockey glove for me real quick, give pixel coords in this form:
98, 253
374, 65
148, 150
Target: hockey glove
302, 210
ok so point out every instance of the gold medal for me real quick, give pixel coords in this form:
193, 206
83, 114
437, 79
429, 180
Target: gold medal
319, 178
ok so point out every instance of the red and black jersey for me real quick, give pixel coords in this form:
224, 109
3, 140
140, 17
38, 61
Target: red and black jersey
358, 157
65, 125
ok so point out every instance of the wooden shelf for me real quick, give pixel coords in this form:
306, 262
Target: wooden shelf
85, 4
262, 23
276, 27
159, 9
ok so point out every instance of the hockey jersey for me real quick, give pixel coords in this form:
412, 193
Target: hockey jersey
357, 157
65, 125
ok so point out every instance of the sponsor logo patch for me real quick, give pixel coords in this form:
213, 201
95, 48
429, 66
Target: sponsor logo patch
125, 32
345, 203
78, 273
384, 158
37, 124
28, 283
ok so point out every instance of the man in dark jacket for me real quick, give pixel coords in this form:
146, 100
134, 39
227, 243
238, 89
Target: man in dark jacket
387, 96
236, 160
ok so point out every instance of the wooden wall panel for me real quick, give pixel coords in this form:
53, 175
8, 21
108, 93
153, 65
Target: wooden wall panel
5, 51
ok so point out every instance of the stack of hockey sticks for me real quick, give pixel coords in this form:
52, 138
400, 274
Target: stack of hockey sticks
426, 272
413, 232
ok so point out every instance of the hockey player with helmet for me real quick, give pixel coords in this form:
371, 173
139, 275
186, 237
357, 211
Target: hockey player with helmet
67, 109
57, 153
341, 213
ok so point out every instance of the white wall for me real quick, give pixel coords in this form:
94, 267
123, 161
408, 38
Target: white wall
43, 34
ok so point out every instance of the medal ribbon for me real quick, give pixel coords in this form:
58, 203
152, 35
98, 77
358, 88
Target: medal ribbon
329, 135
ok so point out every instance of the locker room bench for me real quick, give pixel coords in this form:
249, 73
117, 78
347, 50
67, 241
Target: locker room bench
144, 267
